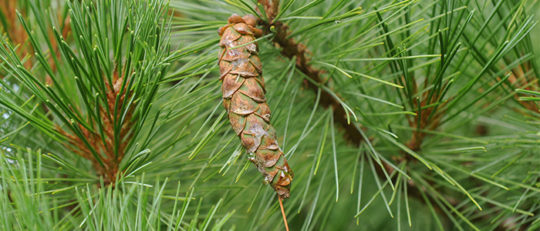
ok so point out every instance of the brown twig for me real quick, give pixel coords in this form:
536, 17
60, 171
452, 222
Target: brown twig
106, 146
283, 213
427, 118
292, 49
112, 147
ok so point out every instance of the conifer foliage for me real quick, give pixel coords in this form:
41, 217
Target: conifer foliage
393, 114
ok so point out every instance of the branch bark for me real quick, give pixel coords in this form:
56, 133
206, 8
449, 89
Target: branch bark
292, 49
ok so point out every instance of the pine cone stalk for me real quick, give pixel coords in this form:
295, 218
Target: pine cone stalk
244, 99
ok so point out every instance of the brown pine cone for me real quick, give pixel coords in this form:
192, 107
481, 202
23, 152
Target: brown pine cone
245, 101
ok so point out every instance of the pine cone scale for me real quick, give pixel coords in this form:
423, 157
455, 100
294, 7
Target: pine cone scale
231, 83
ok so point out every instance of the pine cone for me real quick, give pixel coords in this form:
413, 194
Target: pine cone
245, 101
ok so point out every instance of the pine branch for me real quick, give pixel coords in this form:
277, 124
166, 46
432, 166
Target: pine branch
427, 116
293, 50
97, 93
300, 53
418, 84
